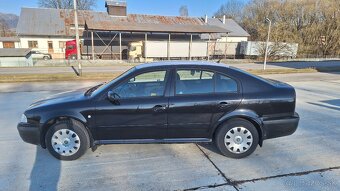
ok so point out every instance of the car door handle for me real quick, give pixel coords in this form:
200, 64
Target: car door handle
159, 108
223, 105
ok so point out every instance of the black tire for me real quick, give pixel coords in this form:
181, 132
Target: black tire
74, 126
46, 58
222, 131
74, 57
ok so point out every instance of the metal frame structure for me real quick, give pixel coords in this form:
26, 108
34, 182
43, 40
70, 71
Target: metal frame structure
119, 28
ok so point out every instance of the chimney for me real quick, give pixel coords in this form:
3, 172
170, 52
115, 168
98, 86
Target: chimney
206, 19
116, 7
223, 19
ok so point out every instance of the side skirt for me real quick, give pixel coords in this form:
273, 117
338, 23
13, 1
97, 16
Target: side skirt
152, 141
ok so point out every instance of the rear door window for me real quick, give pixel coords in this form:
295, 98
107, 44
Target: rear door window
193, 81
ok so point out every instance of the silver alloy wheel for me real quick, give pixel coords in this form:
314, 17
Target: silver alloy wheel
238, 140
65, 142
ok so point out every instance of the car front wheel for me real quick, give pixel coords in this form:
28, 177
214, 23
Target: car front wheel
67, 140
238, 138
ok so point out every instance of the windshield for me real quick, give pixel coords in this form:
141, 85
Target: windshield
103, 86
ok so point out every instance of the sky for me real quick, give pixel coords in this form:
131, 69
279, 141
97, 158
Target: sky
153, 7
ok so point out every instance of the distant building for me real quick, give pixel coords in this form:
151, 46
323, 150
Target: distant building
15, 57
237, 33
47, 30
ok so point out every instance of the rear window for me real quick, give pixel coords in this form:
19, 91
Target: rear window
225, 84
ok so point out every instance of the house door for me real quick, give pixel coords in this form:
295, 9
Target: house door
50, 47
8, 44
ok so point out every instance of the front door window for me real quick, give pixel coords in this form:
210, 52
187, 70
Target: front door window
149, 84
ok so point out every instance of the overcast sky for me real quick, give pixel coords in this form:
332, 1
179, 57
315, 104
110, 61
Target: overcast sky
154, 7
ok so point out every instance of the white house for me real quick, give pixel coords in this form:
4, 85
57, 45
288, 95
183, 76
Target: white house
45, 30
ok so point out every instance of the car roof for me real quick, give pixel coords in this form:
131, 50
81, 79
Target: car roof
180, 63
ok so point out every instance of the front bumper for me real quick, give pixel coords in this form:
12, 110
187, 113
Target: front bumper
29, 133
281, 126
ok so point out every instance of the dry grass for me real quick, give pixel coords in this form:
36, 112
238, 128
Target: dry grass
281, 71
56, 77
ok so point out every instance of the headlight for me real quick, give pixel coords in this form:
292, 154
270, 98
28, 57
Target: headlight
23, 118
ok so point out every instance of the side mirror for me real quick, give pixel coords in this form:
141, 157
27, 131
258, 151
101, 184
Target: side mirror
113, 97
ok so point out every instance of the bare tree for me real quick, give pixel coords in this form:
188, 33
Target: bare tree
183, 11
67, 4
232, 9
4, 30
303, 22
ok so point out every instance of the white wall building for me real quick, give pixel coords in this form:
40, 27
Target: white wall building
52, 45
46, 30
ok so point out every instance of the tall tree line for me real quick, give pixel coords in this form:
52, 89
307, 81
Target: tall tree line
314, 24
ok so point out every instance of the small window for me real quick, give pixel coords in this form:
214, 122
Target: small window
225, 84
194, 82
143, 85
8, 45
62, 44
32, 44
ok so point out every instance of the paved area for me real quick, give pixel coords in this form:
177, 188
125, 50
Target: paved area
121, 68
307, 160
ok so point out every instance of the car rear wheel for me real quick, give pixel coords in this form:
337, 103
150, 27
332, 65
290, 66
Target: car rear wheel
46, 58
67, 140
238, 138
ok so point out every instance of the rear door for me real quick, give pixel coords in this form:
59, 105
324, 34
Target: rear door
191, 107
200, 98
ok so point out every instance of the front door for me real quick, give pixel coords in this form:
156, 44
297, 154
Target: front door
50, 47
140, 111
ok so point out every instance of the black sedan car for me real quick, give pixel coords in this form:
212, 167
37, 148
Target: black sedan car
167, 102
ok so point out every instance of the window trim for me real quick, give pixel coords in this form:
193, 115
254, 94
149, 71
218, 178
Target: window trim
214, 88
166, 81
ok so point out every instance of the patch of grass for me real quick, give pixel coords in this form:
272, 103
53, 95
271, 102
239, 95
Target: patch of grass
281, 71
56, 77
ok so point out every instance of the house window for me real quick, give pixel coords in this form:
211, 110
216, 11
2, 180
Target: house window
32, 44
62, 44
8, 45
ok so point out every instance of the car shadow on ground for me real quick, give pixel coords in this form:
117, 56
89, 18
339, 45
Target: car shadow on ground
330, 104
210, 146
45, 173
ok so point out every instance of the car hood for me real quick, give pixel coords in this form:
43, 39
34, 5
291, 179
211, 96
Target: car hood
62, 97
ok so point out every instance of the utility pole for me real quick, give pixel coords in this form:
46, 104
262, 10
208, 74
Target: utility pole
77, 36
266, 53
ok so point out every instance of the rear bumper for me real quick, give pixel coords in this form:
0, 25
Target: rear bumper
29, 133
281, 126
